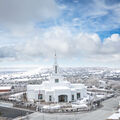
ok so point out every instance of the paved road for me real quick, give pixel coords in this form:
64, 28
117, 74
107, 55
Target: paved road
110, 106
7, 110
12, 113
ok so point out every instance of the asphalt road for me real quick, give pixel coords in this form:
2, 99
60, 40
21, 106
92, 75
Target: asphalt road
12, 113
109, 107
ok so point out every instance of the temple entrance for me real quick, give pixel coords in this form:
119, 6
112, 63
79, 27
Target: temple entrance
62, 98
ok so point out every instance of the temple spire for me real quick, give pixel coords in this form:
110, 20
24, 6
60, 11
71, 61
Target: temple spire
55, 63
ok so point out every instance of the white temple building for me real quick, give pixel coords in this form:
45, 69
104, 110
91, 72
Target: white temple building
56, 89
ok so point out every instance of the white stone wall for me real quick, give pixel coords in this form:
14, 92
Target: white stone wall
55, 89
30, 95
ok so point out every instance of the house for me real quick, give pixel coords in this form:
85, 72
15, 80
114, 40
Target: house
5, 89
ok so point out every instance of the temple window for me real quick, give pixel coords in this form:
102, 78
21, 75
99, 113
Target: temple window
56, 80
50, 98
72, 97
78, 95
40, 96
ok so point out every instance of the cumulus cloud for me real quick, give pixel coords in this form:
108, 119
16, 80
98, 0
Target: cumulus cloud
64, 42
109, 51
56, 38
82, 45
111, 44
87, 43
67, 44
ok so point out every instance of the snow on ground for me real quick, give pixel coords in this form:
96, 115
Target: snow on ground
5, 104
114, 116
79, 106
16, 96
51, 106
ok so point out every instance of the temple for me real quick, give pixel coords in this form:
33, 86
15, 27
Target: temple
56, 89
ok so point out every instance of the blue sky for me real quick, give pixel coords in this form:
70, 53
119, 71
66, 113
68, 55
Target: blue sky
83, 32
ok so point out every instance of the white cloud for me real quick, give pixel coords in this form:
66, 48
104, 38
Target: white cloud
109, 51
63, 41
113, 38
67, 44
20, 39
24, 11
111, 44
87, 43
56, 38
81, 45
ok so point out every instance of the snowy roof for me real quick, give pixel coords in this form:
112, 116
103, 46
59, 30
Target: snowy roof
5, 87
78, 85
17, 94
101, 81
55, 88
47, 87
61, 87
20, 80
